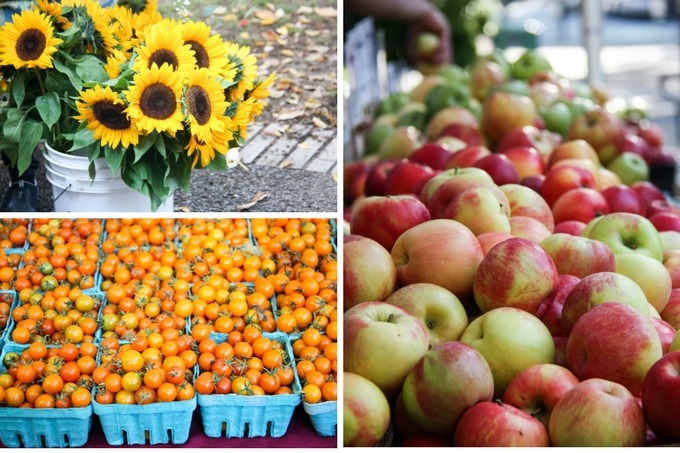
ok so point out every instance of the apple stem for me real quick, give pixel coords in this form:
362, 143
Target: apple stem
499, 402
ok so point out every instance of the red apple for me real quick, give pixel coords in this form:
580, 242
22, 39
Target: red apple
354, 180
469, 134
661, 397
671, 312
442, 252
648, 191
382, 342
613, 341
515, 273
384, 219
528, 228
440, 192
602, 129
377, 176
561, 179
582, 204
527, 161
657, 206
427, 440
369, 273
500, 168
534, 182
633, 143
366, 412
578, 256
447, 116
652, 133
665, 221
526, 202
542, 140
573, 149
497, 424
434, 155
503, 111
573, 227
481, 209
621, 198
666, 333
489, 239
550, 311
407, 177
467, 156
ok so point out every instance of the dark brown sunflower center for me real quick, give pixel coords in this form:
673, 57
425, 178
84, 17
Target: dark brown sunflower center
202, 59
111, 115
31, 44
164, 56
198, 104
158, 101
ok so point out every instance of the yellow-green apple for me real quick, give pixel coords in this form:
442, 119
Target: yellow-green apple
675, 344
624, 232
490, 239
446, 95
544, 94
384, 219
453, 144
597, 413
666, 333
596, 289
465, 176
499, 166
366, 412
577, 255
573, 227
550, 311
515, 273
528, 228
582, 204
503, 111
369, 274
661, 397
419, 92
446, 117
648, 191
651, 275
377, 175
527, 202
382, 342
432, 154
478, 208
400, 143
665, 221
498, 424
573, 149
438, 308
613, 341
529, 63
670, 240
629, 167
381, 128
442, 252
671, 313
510, 340
445, 382
621, 198
467, 156
412, 114
671, 261
602, 129
407, 177
557, 116
526, 160
537, 389
427, 44
484, 74
607, 178
561, 179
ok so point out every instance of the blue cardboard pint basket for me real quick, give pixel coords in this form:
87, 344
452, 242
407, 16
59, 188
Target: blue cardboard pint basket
324, 417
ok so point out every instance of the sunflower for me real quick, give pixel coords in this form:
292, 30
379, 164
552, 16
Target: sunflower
139, 6
105, 114
209, 50
54, 10
205, 150
93, 21
28, 41
246, 70
162, 43
154, 100
240, 118
204, 104
120, 21
114, 64
258, 93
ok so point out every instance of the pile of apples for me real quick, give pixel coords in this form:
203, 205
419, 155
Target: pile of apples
510, 280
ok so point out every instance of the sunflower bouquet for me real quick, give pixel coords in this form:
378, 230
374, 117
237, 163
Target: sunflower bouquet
154, 96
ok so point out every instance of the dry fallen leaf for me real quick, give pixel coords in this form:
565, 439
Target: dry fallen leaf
334, 175
288, 52
304, 10
264, 14
318, 123
184, 209
284, 164
312, 103
259, 196
289, 114
304, 145
327, 12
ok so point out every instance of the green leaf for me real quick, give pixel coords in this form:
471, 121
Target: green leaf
82, 138
57, 82
31, 135
91, 70
114, 157
12, 127
218, 163
70, 73
49, 108
145, 143
19, 88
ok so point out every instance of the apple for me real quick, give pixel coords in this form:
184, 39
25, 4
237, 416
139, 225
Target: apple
420, 91
446, 381
540, 139
577, 255
354, 179
377, 176
670, 240
633, 143
544, 94
427, 44
561, 179
526, 202
434, 155
528, 228
433, 183
467, 156
671, 261
665, 221
596, 289
657, 206
607, 178
675, 344
499, 166
489, 239
498, 424
597, 413
629, 167
530, 63
442, 252
666, 332
557, 116
382, 342
661, 396
384, 219
537, 389
671, 313
400, 143
447, 95
613, 341
484, 73
407, 177
481, 209
392, 104
510, 340
453, 144
622, 198
650, 275
427, 440
438, 308
369, 274
582, 204
515, 273
648, 191
550, 311
526, 160
602, 129
366, 412
403, 425
534, 182
573, 227
377, 133
625, 232
503, 111
447, 116
469, 134
438, 195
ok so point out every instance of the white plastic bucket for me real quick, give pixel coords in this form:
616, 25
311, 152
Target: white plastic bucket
74, 191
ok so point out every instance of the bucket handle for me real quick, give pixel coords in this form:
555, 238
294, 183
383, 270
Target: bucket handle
62, 192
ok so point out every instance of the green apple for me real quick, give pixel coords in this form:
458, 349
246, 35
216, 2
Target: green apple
449, 95
513, 86
626, 232
375, 136
675, 344
651, 275
498, 56
453, 74
419, 92
400, 143
557, 117
511, 340
529, 63
629, 167
392, 103
413, 114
